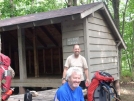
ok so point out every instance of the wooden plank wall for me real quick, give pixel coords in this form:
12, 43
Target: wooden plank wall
102, 46
49, 61
72, 29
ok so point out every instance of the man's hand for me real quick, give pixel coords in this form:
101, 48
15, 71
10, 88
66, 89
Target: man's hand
87, 83
63, 81
64, 75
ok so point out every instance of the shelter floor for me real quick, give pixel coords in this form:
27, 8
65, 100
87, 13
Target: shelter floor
47, 95
42, 81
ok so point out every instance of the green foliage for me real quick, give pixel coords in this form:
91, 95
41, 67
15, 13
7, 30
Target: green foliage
126, 73
128, 36
23, 7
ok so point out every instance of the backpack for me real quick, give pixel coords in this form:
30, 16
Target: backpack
5, 74
27, 96
101, 89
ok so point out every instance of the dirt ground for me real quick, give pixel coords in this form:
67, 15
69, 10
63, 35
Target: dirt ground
127, 91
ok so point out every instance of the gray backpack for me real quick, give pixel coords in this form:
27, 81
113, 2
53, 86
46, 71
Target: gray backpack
100, 89
104, 92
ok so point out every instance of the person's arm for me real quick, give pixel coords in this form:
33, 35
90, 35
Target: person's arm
87, 77
86, 72
66, 66
64, 75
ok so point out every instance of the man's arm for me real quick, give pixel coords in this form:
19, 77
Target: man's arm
64, 75
86, 72
87, 76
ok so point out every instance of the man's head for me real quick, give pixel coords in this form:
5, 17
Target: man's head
73, 77
76, 50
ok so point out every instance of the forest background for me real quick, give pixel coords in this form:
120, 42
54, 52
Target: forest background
121, 10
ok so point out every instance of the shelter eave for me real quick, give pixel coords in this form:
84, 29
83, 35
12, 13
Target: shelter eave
39, 22
90, 11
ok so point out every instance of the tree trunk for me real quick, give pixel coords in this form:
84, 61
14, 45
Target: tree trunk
75, 2
115, 4
72, 3
11, 8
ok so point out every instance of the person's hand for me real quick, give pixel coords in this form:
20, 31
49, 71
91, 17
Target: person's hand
63, 81
87, 83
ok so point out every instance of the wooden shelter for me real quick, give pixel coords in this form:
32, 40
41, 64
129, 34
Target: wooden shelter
38, 44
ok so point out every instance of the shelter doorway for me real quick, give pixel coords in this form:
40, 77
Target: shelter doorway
43, 49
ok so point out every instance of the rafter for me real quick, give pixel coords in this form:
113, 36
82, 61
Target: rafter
49, 35
57, 27
39, 38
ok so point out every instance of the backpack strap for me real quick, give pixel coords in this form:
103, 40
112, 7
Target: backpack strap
107, 89
3, 68
117, 97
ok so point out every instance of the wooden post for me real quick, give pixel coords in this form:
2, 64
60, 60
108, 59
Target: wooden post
52, 61
10, 48
35, 54
16, 63
44, 62
59, 61
29, 59
22, 55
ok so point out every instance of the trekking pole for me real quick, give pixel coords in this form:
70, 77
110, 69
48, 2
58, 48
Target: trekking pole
117, 98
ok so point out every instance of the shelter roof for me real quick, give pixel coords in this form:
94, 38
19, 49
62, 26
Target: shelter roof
47, 15
57, 16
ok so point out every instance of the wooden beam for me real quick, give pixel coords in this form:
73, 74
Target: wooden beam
36, 67
22, 55
16, 63
49, 35
10, 27
59, 60
39, 39
44, 62
57, 27
29, 62
54, 81
52, 60
10, 50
